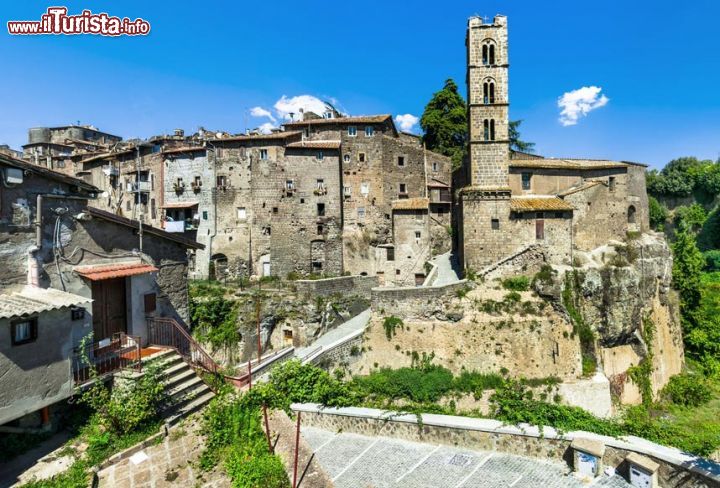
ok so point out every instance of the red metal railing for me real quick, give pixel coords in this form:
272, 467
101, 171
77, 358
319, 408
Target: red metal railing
164, 331
98, 359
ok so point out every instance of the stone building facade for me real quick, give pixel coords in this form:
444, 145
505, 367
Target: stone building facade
315, 198
71, 270
131, 177
380, 166
510, 201
60, 148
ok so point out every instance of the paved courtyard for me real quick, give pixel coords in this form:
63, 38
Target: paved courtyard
356, 461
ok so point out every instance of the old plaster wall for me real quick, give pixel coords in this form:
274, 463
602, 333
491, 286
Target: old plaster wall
38, 374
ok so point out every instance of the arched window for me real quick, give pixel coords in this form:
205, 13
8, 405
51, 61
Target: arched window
492, 129
631, 214
485, 54
486, 129
492, 54
488, 91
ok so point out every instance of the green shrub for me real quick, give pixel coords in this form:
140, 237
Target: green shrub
256, 471
390, 324
688, 390
474, 382
516, 283
215, 320
294, 382
712, 260
419, 385
512, 297
690, 217
658, 214
512, 402
128, 405
544, 276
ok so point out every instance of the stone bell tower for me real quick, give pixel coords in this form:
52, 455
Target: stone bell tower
487, 88
483, 209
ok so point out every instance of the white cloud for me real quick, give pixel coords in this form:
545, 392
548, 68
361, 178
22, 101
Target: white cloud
285, 106
266, 128
261, 112
406, 122
578, 103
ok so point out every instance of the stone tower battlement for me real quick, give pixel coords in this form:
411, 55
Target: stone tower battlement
488, 102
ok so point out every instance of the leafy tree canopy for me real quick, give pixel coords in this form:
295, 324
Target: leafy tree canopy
684, 176
444, 122
516, 143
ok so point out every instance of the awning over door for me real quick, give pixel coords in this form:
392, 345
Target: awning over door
180, 205
110, 271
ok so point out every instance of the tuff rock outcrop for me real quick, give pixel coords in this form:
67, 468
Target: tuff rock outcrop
622, 293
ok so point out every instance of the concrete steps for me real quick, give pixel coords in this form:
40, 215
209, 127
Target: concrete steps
186, 391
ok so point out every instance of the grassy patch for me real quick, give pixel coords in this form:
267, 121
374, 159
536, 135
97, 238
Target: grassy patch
516, 283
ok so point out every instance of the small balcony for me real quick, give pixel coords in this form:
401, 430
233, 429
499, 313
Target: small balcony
178, 226
111, 170
141, 186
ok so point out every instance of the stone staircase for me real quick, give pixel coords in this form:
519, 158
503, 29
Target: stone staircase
186, 391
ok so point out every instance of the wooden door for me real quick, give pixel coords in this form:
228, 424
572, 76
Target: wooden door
109, 308
539, 229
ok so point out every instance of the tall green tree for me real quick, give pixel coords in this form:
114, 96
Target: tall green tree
516, 143
444, 123
688, 263
658, 214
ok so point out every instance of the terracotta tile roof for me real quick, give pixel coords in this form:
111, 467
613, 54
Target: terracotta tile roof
184, 150
180, 205
363, 119
32, 300
434, 183
523, 155
411, 204
107, 155
534, 204
315, 144
48, 173
109, 271
148, 229
577, 164
575, 189
254, 137
496, 189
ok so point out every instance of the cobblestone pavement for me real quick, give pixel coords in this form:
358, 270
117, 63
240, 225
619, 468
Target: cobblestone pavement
173, 462
359, 322
356, 461
446, 271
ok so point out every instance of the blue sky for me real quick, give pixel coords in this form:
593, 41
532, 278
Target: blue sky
207, 64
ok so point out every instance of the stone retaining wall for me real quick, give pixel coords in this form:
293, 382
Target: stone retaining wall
677, 469
526, 261
413, 302
346, 351
346, 285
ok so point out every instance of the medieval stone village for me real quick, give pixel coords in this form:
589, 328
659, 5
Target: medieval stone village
336, 303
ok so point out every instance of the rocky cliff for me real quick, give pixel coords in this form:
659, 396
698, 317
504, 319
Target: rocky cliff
620, 302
